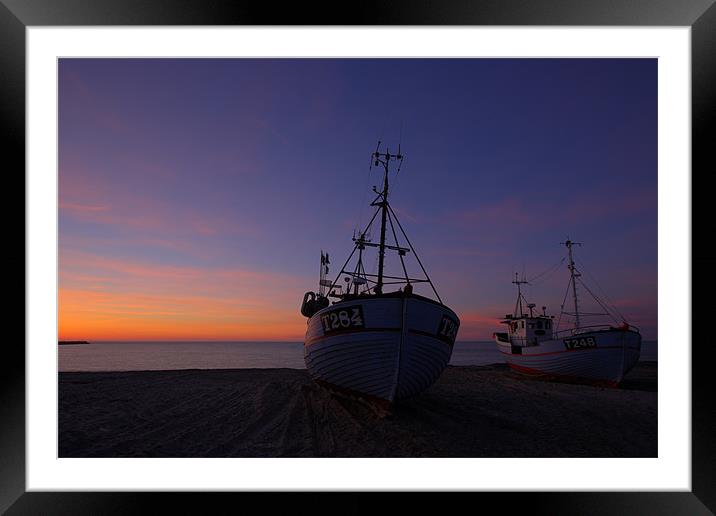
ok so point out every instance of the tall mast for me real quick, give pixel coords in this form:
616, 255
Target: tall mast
383, 158
388, 218
574, 274
384, 215
519, 282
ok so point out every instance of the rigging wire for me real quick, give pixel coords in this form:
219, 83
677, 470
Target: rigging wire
361, 209
402, 262
342, 269
606, 304
604, 295
564, 300
600, 303
401, 160
390, 208
395, 178
533, 281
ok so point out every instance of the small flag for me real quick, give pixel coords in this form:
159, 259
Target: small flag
327, 262
323, 259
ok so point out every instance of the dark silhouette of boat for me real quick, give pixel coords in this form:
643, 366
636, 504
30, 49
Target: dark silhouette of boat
379, 345
598, 354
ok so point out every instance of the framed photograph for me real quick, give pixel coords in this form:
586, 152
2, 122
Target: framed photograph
185, 165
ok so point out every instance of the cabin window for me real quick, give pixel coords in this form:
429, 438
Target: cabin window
539, 325
523, 324
531, 325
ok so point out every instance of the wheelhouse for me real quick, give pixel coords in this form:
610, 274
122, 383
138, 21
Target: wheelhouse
523, 329
527, 331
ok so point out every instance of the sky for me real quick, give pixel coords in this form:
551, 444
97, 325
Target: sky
195, 195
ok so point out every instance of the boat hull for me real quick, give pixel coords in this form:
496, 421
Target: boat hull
599, 357
380, 348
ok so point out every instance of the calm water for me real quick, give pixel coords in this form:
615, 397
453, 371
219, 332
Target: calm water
141, 356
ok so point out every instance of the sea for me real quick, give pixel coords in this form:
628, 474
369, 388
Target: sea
159, 356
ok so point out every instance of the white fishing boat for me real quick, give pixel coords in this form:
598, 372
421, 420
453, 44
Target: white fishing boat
379, 345
599, 354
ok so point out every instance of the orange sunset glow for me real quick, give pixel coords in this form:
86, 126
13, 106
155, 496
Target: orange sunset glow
195, 196
107, 299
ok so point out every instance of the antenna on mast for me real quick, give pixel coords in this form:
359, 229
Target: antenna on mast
372, 156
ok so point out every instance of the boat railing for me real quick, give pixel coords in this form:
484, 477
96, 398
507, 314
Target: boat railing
594, 327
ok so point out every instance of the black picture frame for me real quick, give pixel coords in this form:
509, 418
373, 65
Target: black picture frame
700, 15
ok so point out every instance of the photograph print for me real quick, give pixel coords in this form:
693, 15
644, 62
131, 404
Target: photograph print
303, 257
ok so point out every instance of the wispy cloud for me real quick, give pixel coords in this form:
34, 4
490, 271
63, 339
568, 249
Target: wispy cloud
506, 212
137, 274
102, 296
547, 211
96, 110
90, 201
82, 208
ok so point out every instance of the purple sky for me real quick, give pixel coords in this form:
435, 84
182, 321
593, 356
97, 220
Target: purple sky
215, 183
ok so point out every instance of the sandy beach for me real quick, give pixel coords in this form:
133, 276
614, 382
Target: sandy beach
472, 411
